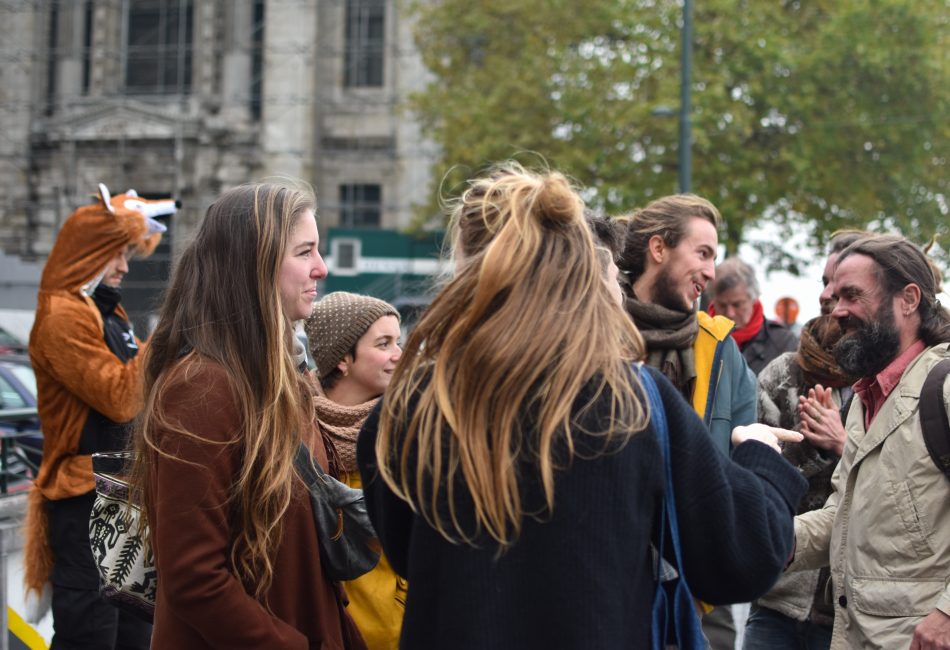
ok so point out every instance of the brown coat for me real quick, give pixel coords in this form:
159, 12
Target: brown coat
200, 603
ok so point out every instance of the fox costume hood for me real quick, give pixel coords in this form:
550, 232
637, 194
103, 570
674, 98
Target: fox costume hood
78, 377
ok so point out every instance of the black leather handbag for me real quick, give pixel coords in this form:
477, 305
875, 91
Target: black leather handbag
348, 544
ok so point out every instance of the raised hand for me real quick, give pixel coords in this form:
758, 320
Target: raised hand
821, 420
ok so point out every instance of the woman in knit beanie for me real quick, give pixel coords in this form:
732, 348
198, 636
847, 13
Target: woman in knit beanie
354, 341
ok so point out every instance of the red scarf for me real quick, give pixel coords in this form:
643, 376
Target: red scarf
743, 335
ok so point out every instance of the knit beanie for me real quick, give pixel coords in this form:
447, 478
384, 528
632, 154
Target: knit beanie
338, 321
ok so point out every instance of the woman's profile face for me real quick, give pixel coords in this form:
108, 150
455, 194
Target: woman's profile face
377, 353
612, 273
300, 268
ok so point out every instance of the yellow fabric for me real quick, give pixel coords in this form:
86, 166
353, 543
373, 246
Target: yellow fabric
24, 632
713, 330
377, 599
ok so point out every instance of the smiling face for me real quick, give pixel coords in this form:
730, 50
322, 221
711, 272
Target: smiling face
856, 292
368, 372
683, 272
300, 268
870, 333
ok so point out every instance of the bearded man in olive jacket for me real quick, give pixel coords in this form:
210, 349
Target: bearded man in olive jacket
885, 529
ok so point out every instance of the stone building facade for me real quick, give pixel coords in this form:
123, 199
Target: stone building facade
189, 97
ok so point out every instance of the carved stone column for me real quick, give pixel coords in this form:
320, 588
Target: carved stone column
289, 110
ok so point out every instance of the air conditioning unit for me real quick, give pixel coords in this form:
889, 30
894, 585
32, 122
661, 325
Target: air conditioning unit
345, 253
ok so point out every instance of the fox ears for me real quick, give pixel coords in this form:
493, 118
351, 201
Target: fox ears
106, 197
148, 209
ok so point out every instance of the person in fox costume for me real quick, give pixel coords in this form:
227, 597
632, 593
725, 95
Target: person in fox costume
89, 386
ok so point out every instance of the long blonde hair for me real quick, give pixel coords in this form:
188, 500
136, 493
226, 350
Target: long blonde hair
524, 326
223, 305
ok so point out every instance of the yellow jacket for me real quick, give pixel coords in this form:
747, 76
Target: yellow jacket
724, 392
377, 599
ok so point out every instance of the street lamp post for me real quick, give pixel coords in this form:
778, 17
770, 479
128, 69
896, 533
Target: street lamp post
685, 136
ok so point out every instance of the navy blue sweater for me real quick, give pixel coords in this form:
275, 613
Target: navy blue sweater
581, 577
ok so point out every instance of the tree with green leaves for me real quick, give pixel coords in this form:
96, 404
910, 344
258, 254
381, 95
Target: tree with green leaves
832, 112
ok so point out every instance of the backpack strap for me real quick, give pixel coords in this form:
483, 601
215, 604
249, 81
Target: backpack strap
668, 518
933, 417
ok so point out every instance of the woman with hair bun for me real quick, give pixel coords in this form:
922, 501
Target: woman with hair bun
231, 524
512, 470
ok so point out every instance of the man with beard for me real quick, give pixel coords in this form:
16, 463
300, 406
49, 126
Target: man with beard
88, 368
818, 410
804, 391
885, 529
840, 240
668, 258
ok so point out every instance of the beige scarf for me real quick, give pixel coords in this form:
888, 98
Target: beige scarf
342, 425
669, 335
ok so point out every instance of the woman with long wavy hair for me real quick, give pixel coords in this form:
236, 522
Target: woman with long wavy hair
231, 525
512, 471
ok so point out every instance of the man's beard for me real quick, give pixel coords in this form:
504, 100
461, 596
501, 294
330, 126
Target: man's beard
665, 295
867, 350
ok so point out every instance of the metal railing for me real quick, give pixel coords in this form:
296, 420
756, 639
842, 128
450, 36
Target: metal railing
18, 450
16, 470
12, 513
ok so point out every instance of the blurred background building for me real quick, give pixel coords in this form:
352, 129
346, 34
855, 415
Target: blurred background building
186, 98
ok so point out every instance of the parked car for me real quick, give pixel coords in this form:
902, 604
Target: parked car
10, 344
22, 437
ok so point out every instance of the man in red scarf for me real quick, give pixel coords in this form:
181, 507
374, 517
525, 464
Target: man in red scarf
735, 295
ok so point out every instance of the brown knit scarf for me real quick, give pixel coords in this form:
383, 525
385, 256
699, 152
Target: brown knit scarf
669, 335
815, 357
342, 424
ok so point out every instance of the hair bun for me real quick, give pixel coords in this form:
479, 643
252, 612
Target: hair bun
557, 201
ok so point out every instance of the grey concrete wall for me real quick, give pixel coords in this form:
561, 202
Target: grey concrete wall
198, 145
19, 282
